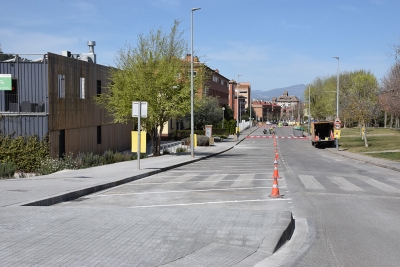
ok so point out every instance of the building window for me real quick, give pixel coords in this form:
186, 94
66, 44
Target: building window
194, 73
61, 86
98, 89
98, 135
82, 88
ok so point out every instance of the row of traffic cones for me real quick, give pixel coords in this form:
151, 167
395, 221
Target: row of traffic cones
275, 188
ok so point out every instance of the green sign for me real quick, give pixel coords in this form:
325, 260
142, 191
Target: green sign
5, 82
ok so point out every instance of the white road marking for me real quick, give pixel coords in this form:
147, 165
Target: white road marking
243, 180
183, 191
381, 186
344, 184
310, 182
185, 177
213, 202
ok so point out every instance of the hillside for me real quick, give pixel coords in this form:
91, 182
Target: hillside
296, 90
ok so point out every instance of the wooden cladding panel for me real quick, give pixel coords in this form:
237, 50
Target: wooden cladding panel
80, 117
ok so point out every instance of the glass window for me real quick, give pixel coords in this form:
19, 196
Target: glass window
61, 86
82, 88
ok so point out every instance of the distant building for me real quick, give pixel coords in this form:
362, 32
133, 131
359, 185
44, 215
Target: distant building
217, 86
290, 106
266, 110
54, 96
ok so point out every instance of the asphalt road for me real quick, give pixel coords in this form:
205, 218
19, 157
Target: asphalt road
351, 208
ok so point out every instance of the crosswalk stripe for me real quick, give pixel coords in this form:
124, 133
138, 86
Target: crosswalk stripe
310, 182
381, 186
243, 180
213, 180
185, 177
344, 184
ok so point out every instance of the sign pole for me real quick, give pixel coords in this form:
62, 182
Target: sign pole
138, 151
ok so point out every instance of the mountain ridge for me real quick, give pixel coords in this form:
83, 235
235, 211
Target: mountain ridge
293, 90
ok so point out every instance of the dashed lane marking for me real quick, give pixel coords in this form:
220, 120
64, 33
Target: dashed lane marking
213, 202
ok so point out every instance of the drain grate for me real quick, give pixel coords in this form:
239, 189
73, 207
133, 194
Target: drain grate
18, 190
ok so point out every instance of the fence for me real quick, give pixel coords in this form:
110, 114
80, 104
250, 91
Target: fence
173, 146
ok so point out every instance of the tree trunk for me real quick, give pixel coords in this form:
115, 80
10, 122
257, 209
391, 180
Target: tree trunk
391, 120
385, 120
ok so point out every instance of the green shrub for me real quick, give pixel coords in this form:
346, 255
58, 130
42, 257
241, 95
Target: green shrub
49, 165
203, 140
108, 157
181, 149
118, 157
166, 151
7, 169
26, 152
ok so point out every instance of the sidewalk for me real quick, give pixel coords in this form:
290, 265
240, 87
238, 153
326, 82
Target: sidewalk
71, 184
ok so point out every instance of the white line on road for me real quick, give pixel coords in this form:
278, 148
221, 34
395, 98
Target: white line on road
344, 184
310, 182
213, 202
184, 191
382, 186
187, 182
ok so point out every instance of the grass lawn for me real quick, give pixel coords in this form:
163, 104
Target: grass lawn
379, 140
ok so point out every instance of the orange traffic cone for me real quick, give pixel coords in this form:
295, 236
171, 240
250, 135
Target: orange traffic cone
276, 155
275, 190
276, 174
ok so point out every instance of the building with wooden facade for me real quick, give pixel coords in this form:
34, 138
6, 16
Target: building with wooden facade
54, 96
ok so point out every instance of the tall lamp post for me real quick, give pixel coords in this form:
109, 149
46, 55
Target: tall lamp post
191, 88
223, 116
337, 99
237, 111
239, 107
309, 109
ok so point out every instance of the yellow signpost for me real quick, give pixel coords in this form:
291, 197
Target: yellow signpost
142, 141
337, 134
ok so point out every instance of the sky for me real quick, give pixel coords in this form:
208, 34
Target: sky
269, 43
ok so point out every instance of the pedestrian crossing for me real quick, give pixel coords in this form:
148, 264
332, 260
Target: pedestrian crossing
278, 137
324, 183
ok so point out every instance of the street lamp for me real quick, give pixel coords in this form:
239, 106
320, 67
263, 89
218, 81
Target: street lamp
337, 99
239, 107
237, 111
309, 109
223, 116
191, 89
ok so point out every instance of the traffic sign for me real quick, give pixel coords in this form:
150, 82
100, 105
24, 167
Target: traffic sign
337, 123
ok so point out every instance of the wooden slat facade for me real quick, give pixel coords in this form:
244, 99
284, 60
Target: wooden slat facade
71, 117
